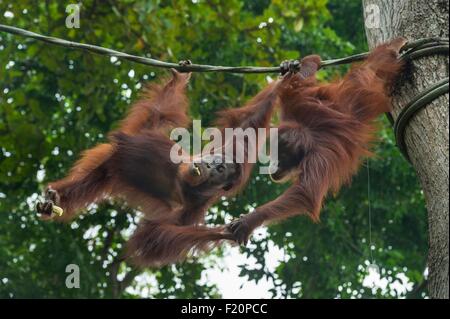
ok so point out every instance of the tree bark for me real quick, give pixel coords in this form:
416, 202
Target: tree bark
427, 134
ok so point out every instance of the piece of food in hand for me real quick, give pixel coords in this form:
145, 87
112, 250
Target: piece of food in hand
57, 210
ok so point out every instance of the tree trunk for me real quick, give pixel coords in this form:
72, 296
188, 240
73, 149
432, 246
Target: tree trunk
427, 133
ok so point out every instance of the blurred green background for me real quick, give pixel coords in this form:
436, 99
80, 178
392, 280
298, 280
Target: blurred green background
55, 102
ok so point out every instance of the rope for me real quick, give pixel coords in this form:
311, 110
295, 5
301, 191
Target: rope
369, 211
415, 50
142, 60
412, 50
183, 67
417, 103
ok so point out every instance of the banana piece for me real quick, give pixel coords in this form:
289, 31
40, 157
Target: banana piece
57, 210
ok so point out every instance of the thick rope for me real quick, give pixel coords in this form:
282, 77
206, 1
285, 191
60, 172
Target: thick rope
417, 103
195, 67
419, 49
415, 50
412, 50
142, 60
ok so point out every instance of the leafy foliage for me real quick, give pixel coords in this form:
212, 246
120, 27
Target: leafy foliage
56, 102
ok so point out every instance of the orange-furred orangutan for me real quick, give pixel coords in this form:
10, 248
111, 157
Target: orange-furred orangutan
325, 132
136, 166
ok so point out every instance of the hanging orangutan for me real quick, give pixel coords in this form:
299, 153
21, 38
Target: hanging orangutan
325, 132
136, 166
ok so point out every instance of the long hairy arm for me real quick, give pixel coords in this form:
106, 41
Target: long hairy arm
161, 106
